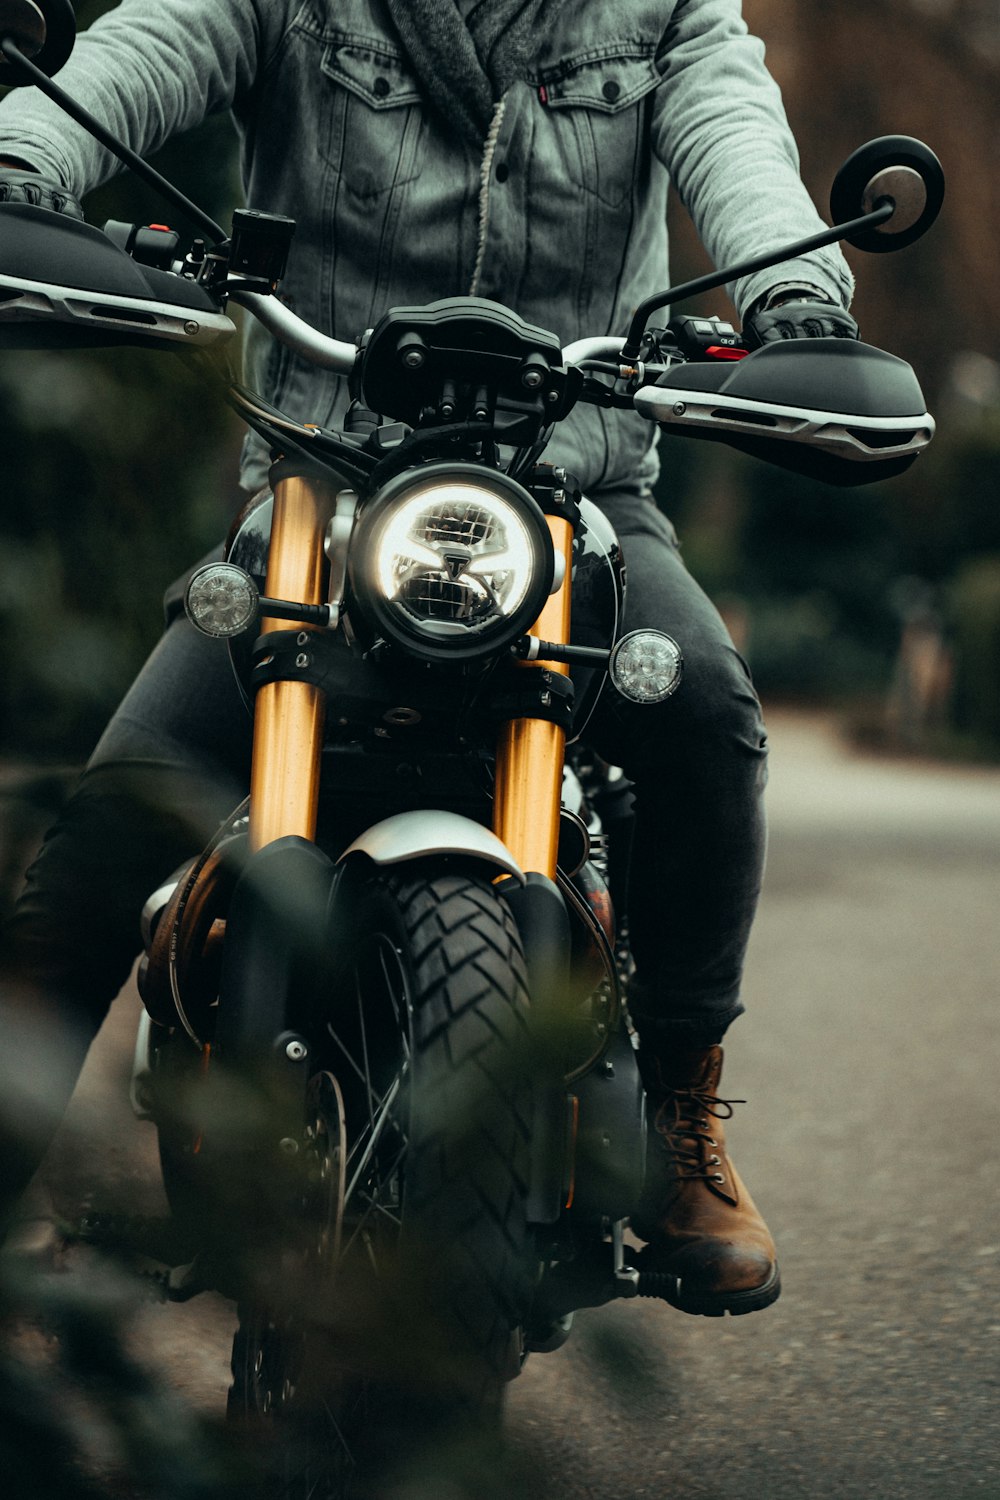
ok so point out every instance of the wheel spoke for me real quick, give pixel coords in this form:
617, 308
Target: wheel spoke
374, 1206
374, 1134
362, 1070
328, 1411
363, 1029
345, 1051
396, 998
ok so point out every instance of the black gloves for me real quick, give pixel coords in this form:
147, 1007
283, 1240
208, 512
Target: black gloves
800, 318
17, 186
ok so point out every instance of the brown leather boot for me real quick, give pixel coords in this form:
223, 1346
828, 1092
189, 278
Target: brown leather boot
705, 1236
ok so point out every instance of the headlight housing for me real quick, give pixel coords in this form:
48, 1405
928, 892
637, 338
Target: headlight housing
451, 562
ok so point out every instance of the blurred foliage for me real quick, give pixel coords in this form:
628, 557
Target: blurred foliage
119, 471
80, 1417
975, 608
110, 490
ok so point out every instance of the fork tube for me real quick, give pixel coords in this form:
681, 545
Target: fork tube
288, 716
530, 752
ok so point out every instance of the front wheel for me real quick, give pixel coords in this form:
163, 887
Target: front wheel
424, 1281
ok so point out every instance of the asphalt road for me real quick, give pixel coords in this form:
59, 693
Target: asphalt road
869, 1140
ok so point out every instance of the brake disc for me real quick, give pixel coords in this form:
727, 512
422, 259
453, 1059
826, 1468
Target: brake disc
271, 1347
326, 1167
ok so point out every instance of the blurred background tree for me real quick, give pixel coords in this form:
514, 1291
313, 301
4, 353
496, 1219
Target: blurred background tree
885, 600
119, 471
111, 489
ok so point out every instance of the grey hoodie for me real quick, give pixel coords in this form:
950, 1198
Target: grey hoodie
562, 216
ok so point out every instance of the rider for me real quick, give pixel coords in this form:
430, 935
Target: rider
518, 150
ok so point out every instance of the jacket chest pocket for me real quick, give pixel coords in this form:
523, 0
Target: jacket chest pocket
599, 108
372, 116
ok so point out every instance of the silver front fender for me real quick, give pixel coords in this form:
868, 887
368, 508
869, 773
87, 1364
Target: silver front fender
415, 835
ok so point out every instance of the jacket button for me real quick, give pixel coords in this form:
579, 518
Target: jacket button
381, 87
611, 90
502, 172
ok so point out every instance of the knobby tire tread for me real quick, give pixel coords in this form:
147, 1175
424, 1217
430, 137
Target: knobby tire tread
470, 1042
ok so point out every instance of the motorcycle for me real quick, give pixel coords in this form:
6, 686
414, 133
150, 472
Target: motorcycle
386, 1041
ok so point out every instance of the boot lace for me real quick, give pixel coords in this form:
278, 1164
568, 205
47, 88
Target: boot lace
684, 1119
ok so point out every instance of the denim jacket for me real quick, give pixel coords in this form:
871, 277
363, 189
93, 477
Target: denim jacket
562, 218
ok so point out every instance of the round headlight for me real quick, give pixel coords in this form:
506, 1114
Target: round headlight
452, 562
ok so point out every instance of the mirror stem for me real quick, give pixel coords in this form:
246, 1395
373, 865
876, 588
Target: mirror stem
630, 352
149, 174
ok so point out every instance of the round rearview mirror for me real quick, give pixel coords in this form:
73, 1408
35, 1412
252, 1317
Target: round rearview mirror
42, 30
896, 168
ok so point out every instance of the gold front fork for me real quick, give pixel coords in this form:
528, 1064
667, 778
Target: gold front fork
530, 752
288, 716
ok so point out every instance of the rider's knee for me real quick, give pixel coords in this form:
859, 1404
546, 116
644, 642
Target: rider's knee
711, 724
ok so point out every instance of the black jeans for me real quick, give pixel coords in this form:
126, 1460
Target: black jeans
698, 762
175, 760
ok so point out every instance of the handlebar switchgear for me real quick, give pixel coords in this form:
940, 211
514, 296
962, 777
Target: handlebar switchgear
706, 338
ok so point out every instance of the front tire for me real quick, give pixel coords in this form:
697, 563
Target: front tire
415, 1329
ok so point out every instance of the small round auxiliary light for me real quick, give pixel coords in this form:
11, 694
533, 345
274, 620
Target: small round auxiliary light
221, 600
646, 666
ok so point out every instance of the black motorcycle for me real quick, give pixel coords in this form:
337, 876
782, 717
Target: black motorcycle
386, 1041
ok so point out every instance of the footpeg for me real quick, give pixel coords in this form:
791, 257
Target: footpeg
656, 1284
589, 1281
627, 1278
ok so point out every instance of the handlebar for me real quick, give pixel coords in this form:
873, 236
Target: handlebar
416, 359
583, 350
335, 354
301, 337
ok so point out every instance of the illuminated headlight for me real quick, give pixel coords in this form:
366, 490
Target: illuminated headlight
646, 666
452, 562
221, 600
